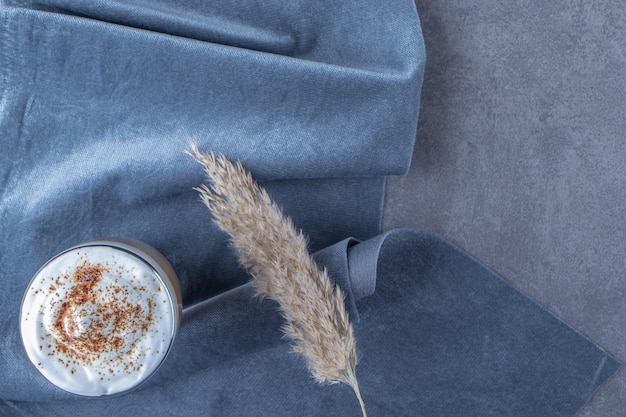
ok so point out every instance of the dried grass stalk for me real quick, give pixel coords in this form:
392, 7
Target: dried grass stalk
276, 255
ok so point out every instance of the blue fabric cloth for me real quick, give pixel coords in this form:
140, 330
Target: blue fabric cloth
320, 101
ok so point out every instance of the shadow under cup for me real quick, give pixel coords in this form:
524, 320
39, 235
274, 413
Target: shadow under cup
100, 318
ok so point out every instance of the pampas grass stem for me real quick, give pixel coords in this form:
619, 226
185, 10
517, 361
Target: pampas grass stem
276, 255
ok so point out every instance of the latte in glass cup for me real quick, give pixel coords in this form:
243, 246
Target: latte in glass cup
99, 318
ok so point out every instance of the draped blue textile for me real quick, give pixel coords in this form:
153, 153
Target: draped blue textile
319, 100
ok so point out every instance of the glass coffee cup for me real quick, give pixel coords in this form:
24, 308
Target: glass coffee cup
99, 318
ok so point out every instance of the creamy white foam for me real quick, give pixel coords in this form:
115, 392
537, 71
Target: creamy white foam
97, 320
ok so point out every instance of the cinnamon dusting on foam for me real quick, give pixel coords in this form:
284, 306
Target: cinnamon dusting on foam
96, 319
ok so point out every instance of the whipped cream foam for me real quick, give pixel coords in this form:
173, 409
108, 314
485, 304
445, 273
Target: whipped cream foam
99, 319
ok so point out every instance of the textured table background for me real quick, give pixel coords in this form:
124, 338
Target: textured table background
520, 156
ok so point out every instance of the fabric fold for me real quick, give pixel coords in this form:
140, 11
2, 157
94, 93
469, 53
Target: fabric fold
441, 334
80, 78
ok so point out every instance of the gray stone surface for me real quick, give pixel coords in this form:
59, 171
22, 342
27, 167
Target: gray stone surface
520, 156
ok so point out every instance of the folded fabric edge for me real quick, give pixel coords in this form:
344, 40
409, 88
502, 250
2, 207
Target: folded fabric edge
376, 244
360, 263
606, 372
392, 75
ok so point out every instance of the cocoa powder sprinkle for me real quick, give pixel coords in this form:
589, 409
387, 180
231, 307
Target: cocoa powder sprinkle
93, 320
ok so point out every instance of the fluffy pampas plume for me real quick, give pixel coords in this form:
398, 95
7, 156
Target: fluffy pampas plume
276, 255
